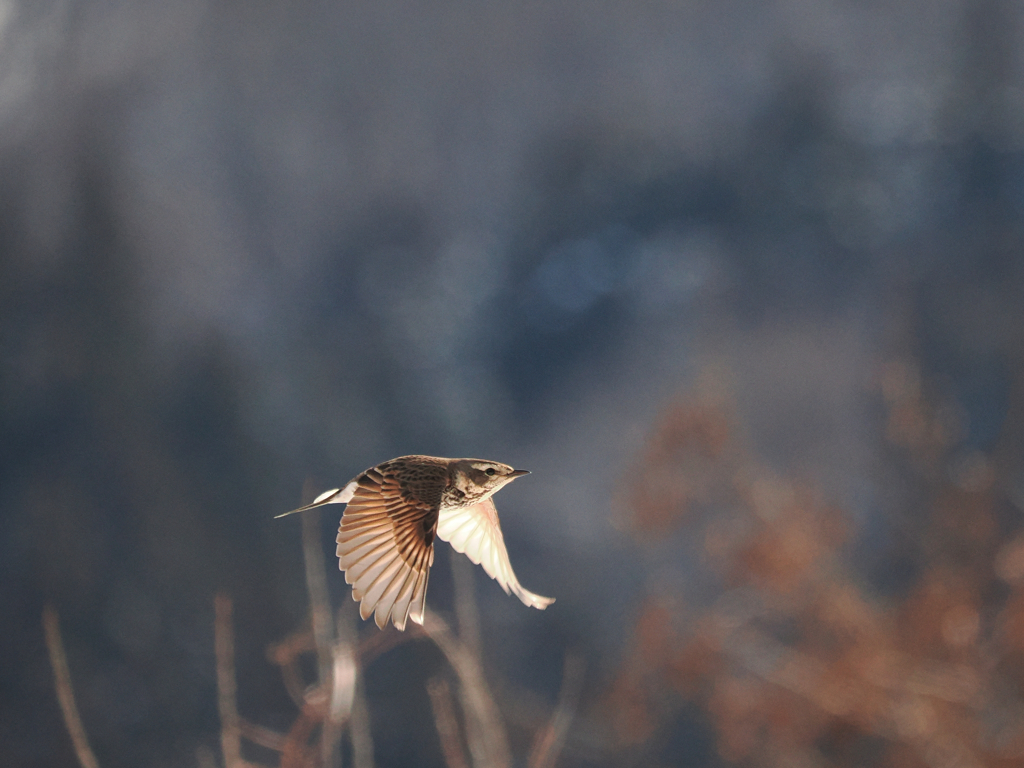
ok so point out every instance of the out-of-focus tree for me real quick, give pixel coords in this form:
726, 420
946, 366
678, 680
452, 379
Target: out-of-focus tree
801, 657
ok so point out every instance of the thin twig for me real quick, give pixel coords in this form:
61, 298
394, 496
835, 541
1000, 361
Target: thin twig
343, 686
316, 584
485, 731
362, 741
359, 713
286, 655
468, 618
224, 647
261, 735
447, 725
65, 693
378, 643
295, 753
323, 629
463, 573
548, 744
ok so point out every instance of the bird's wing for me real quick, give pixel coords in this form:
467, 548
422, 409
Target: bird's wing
476, 532
386, 548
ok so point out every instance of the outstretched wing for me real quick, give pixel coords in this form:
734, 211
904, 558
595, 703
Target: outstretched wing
476, 532
386, 548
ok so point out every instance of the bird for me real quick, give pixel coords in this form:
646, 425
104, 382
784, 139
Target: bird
393, 513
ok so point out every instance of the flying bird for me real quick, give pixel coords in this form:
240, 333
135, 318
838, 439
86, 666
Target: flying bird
393, 512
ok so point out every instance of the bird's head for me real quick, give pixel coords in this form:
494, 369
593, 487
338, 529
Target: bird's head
479, 479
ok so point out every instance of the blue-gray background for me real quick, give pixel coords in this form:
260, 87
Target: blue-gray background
244, 246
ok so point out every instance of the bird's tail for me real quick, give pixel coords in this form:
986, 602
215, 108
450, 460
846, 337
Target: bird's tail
333, 496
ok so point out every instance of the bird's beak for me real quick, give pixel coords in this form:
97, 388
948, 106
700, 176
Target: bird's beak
518, 473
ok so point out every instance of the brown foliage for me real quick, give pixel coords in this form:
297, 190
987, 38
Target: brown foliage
798, 660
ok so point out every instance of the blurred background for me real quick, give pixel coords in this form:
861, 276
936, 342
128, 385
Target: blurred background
740, 282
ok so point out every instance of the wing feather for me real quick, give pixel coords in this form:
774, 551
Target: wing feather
476, 532
389, 587
374, 585
385, 546
419, 600
386, 604
400, 611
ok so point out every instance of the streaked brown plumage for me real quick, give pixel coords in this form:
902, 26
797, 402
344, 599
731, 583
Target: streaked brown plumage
393, 513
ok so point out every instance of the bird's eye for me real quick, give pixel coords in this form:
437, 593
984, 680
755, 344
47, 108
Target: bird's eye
489, 471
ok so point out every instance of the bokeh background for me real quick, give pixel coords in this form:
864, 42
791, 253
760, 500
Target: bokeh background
741, 282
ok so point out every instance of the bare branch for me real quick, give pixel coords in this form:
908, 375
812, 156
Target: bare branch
465, 603
286, 654
548, 744
378, 643
224, 647
358, 712
447, 725
329, 664
295, 753
362, 742
343, 686
261, 735
65, 693
485, 730
316, 584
